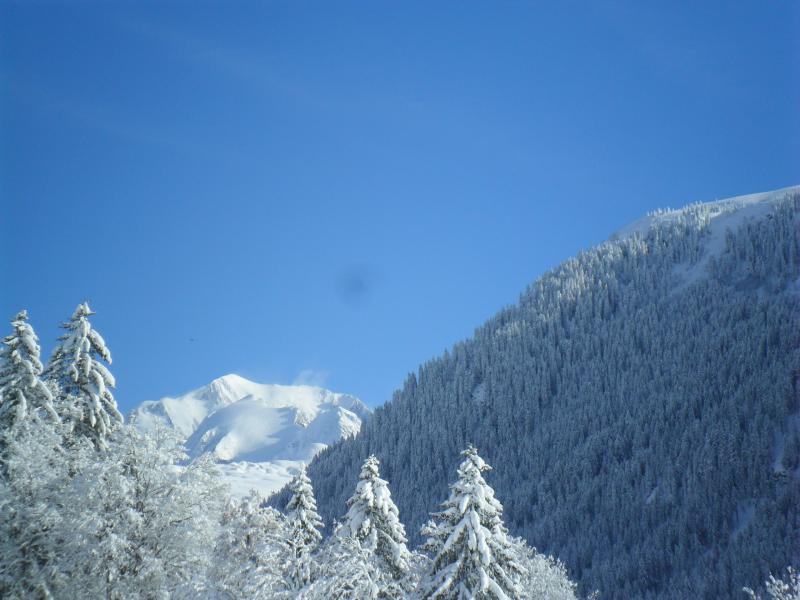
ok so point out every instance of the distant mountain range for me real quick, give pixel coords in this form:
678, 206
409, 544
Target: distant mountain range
640, 405
260, 433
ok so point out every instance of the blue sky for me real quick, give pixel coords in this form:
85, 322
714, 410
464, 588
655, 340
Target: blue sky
335, 192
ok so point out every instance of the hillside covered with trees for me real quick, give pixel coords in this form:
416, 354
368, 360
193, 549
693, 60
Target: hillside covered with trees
640, 405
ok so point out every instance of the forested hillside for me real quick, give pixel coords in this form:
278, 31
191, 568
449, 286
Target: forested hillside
639, 405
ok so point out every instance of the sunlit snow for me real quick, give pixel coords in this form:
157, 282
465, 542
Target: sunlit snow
260, 433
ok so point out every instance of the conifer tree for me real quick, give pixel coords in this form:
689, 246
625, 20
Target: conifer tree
84, 382
22, 391
373, 520
780, 589
473, 556
304, 526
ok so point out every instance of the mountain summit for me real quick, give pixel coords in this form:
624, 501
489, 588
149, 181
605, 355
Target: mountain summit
259, 433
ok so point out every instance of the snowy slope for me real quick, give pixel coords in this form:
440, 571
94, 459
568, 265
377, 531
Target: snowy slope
725, 214
720, 217
260, 433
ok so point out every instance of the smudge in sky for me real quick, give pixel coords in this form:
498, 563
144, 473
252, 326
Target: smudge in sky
356, 284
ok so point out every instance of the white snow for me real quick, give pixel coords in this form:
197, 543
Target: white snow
265, 478
261, 434
732, 210
723, 215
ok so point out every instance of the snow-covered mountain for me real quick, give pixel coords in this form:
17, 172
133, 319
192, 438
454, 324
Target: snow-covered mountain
639, 405
260, 433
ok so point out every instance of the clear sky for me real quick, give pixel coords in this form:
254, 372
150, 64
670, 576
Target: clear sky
335, 192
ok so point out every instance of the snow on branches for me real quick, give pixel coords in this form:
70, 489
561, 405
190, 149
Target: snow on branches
473, 557
22, 391
84, 381
304, 529
373, 519
93, 508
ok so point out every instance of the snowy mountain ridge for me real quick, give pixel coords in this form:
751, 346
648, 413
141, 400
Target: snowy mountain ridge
259, 433
718, 218
727, 213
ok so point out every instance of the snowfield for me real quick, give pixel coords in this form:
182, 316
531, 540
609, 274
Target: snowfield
260, 434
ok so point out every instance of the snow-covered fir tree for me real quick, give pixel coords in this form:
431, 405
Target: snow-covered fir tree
473, 555
373, 520
304, 530
780, 589
251, 550
85, 384
22, 391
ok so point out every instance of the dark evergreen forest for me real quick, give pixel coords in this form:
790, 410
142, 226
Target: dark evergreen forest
639, 404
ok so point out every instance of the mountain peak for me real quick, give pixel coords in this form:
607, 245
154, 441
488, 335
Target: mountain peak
232, 378
261, 433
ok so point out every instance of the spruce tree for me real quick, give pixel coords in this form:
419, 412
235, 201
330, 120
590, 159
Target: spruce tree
473, 556
304, 526
373, 520
84, 382
22, 391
